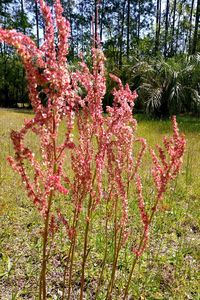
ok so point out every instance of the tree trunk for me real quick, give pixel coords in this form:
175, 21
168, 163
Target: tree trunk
138, 24
82, 38
23, 87
166, 28
77, 42
178, 29
37, 24
121, 35
102, 19
128, 30
173, 28
195, 38
22, 17
158, 21
96, 25
190, 30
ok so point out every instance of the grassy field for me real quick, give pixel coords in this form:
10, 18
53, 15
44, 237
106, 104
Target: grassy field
170, 266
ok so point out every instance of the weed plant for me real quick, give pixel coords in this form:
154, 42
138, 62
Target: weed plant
85, 173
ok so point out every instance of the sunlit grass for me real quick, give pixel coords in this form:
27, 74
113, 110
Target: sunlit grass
170, 266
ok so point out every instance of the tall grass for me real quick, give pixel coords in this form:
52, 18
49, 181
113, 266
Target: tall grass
169, 268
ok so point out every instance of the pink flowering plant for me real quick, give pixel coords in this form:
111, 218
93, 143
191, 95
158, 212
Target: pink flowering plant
94, 170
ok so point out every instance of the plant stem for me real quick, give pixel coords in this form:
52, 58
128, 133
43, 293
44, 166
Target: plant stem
139, 248
105, 253
112, 280
42, 291
85, 252
42, 288
72, 248
85, 246
65, 271
132, 269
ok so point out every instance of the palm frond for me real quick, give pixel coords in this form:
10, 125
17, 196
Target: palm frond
154, 101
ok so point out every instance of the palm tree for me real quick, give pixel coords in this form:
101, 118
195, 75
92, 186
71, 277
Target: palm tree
169, 87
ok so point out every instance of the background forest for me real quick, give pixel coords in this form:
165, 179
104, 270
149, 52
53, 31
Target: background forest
153, 45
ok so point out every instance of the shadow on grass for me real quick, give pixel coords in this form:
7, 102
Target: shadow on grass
18, 110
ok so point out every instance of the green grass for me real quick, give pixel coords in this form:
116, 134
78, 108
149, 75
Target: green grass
170, 266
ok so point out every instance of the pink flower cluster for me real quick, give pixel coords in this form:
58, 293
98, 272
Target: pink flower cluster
47, 74
168, 163
101, 156
165, 168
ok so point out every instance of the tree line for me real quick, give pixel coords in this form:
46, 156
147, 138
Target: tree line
140, 39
